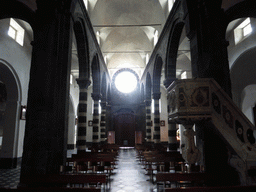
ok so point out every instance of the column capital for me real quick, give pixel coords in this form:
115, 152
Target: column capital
83, 82
103, 104
96, 96
156, 96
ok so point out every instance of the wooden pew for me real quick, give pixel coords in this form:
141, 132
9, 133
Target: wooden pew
99, 161
153, 163
59, 180
51, 189
194, 178
214, 189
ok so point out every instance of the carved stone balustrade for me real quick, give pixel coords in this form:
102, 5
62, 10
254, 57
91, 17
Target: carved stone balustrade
193, 100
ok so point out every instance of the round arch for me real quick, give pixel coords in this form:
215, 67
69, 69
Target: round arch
245, 8
10, 119
172, 51
82, 48
243, 73
96, 74
142, 92
104, 86
16, 9
157, 74
148, 86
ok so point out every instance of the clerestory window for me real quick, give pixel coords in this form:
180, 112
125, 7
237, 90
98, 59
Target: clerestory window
16, 32
243, 30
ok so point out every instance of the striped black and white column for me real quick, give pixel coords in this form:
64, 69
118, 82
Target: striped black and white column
156, 97
148, 121
103, 122
82, 114
172, 141
95, 123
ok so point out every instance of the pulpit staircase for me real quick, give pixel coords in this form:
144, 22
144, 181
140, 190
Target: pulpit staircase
194, 100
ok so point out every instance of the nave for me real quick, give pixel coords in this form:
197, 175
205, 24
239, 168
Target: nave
129, 176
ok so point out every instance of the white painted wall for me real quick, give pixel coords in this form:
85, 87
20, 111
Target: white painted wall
241, 64
235, 50
19, 57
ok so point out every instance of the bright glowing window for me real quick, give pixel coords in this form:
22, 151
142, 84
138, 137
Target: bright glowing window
126, 81
243, 30
247, 29
16, 32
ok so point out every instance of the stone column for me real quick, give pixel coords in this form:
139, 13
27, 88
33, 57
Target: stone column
45, 141
156, 97
148, 121
172, 141
82, 114
206, 28
95, 136
103, 122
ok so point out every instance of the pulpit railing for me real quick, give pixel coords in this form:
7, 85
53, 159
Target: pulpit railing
193, 100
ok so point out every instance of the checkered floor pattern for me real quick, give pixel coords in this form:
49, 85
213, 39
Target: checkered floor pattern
9, 178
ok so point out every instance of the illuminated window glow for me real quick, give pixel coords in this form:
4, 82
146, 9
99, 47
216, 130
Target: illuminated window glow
126, 82
243, 30
16, 32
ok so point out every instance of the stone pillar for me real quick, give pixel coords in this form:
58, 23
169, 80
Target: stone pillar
95, 136
103, 122
172, 137
156, 97
172, 141
148, 121
82, 114
206, 30
45, 141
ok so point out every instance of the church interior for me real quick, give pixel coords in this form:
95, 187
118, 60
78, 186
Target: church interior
128, 95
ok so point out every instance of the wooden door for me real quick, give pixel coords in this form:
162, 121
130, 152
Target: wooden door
125, 129
138, 137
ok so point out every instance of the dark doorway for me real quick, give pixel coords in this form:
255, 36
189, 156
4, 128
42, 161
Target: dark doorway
125, 129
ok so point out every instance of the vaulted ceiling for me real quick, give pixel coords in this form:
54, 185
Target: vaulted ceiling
126, 29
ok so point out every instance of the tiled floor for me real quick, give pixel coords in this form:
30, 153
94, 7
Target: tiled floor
128, 177
9, 177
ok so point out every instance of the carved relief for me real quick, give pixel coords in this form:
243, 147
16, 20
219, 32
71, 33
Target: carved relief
227, 116
239, 130
190, 152
182, 97
200, 97
171, 102
216, 103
